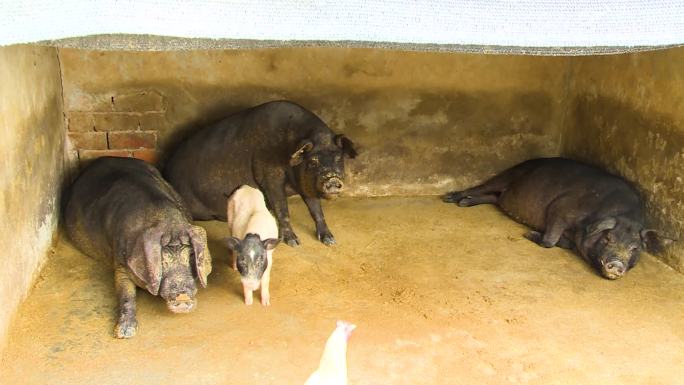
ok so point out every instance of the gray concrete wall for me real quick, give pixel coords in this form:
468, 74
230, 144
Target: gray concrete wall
32, 148
626, 113
427, 122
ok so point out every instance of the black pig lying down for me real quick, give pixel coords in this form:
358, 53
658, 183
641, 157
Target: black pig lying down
278, 147
121, 208
571, 204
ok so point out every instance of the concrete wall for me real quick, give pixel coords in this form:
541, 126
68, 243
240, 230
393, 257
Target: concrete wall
626, 113
32, 148
427, 122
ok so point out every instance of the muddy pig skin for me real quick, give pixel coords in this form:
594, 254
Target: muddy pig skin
572, 205
121, 209
254, 235
278, 147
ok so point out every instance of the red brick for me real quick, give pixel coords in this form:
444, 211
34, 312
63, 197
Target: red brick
138, 102
89, 140
87, 155
80, 121
150, 156
132, 140
116, 122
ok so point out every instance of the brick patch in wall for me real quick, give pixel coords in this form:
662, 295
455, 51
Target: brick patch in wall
80, 121
152, 121
89, 140
127, 101
132, 140
138, 102
116, 122
88, 155
150, 156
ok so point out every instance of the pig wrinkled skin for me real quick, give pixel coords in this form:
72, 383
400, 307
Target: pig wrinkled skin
254, 235
121, 209
572, 205
279, 147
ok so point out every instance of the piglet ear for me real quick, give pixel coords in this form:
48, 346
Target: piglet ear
145, 258
346, 145
653, 242
270, 243
298, 156
233, 243
198, 239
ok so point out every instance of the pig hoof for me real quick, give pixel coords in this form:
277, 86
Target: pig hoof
126, 328
452, 197
465, 202
327, 239
537, 238
266, 301
248, 301
533, 236
291, 240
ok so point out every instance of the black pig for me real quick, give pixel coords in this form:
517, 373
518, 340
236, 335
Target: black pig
574, 205
121, 208
279, 147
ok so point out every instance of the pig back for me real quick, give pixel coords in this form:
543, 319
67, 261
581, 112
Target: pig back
113, 201
241, 149
566, 187
247, 213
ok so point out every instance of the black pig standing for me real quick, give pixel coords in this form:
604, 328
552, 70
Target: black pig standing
574, 205
122, 209
278, 147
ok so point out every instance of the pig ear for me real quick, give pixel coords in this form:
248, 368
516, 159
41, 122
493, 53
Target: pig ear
298, 156
270, 243
653, 242
145, 259
198, 239
601, 225
233, 243
346, 145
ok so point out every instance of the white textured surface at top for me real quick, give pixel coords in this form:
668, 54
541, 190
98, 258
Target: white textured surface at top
524, 23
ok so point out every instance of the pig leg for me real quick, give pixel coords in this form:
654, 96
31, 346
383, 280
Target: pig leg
277, 199
489, 191
555, 227
249, 299
125, 291
265, 280
322, 231
477, 200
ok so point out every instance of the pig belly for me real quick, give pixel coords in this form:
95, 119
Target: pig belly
526, 208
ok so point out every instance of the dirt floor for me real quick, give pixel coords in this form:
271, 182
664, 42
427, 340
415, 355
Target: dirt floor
440, 294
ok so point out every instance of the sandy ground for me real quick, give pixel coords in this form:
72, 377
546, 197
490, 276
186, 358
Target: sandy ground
440, 294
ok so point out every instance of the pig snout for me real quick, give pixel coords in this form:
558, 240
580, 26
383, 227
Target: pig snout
250, 284
182, 303
331, 185
614, 269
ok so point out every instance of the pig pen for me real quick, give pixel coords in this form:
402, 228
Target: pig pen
440, 294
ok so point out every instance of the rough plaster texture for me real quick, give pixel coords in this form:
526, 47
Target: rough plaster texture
427, 122
32, 149
626, 113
